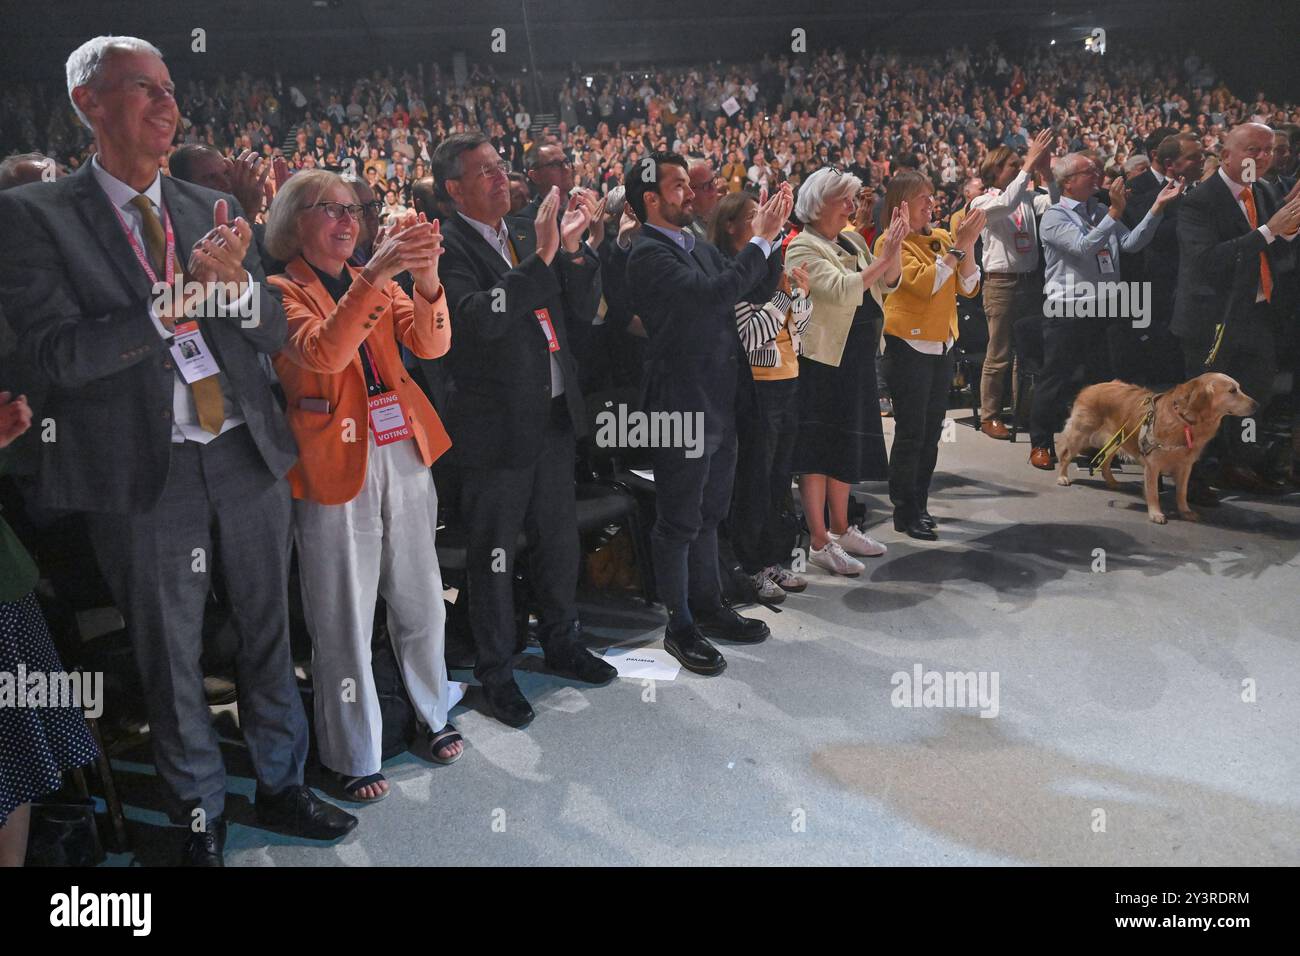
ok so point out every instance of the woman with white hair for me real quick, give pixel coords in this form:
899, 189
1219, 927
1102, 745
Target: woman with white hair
840, 437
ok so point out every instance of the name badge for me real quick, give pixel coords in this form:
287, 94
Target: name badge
544, 318
1105, 263
387, 420
1024, 242
194, 359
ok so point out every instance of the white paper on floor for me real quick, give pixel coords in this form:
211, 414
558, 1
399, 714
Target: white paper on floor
646, 663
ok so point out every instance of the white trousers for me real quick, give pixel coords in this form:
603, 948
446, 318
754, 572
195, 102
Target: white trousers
382, 541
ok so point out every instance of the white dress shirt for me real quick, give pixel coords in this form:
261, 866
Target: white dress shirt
1007, 212
498, 237
185, 417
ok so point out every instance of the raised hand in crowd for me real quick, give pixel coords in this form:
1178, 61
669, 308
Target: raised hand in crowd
596, 231
771, 216
1039, 152
968, 231
1173, 188
628, 225
15, 417
248, 177
219, 255
1118, 197
410, 246
1287, 219
548, 232
576, 220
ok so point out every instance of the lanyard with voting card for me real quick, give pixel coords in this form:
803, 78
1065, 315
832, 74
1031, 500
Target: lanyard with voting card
1023, 241
383, 407
194, 360
544, 317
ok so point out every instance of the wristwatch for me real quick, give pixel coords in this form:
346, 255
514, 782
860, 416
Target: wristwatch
957, 254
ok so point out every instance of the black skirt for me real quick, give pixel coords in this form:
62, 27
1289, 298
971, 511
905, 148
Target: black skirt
36, 743
840, 433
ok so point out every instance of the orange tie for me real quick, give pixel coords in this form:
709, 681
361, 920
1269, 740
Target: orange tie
1265, 274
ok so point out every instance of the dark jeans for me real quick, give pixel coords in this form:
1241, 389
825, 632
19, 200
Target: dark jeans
919, 384
765, 449
1074, 355
497, 504
691, 498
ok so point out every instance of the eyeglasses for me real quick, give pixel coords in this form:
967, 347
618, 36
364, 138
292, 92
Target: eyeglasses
335, 210
488, 170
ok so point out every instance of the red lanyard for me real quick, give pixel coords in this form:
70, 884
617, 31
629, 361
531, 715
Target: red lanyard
169, 266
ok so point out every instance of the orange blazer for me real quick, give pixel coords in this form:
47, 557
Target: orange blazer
320, 360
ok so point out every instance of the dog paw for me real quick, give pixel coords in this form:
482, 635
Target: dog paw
1063, 481
1158, 517
1189, 515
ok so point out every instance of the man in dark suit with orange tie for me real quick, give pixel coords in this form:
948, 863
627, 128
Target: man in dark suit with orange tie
1237, 262
177, 454
696, 368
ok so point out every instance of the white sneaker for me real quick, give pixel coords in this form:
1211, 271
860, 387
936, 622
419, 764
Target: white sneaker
767, 589
787, 581
855, 542
834, 560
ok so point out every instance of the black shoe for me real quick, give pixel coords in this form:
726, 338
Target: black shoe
297, 811
576, 661
915, 528
1202, 495
927, 519
207, 848
508, 704
724, 624
694, 652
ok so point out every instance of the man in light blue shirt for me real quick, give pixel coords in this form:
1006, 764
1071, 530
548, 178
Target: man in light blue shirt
1082, 240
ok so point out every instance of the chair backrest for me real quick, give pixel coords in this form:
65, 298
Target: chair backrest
603, 448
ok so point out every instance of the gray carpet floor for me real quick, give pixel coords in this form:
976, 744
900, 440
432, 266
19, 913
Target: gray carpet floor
1146, 714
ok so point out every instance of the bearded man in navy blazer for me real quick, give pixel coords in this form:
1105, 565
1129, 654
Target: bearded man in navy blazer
178, 465
696, 367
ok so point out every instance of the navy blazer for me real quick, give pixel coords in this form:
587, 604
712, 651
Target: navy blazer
687, 301
78, 301
1218, 265
498, 395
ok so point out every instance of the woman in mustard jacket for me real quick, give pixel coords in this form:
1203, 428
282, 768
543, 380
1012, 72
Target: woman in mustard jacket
920, 329
365, 508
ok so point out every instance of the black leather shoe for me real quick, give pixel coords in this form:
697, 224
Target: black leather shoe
1201, 494
579, 662
724, 624
693, 650
927, 519
915, 528
298, 812
207, 848
509, 705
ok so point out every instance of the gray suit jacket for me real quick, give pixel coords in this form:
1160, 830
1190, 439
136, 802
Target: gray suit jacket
78, 302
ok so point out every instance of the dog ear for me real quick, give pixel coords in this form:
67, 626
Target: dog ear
1192, 399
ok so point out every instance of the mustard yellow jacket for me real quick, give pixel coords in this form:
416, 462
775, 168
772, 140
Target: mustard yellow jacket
916, 311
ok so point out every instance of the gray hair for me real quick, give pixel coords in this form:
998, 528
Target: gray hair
1063, 168
615, 200
1135, 161
302, 191
823, 186
86, 63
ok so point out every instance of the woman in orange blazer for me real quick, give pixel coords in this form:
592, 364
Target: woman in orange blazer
365, 508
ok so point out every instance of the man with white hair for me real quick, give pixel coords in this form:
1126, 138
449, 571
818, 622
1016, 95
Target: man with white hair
1082, 241
1237, 261
169, 437
708, 190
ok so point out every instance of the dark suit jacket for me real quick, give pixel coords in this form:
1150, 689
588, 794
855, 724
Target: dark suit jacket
1159, 260
1218, 266
1145, 183
499, 396
694, 361
79, 303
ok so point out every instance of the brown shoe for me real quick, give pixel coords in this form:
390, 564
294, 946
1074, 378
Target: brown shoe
995, 429
1241, 478
1041, 458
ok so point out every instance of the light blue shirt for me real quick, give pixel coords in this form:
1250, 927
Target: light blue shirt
1074, 234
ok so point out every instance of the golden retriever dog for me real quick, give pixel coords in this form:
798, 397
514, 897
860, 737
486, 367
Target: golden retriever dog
1167, 433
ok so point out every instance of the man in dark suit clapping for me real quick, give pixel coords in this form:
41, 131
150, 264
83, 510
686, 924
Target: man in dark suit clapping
1237, 259
697, 369
178, 461
516, 290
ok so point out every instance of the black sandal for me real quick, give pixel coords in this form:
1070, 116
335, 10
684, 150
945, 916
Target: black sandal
443, 739
348, 788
